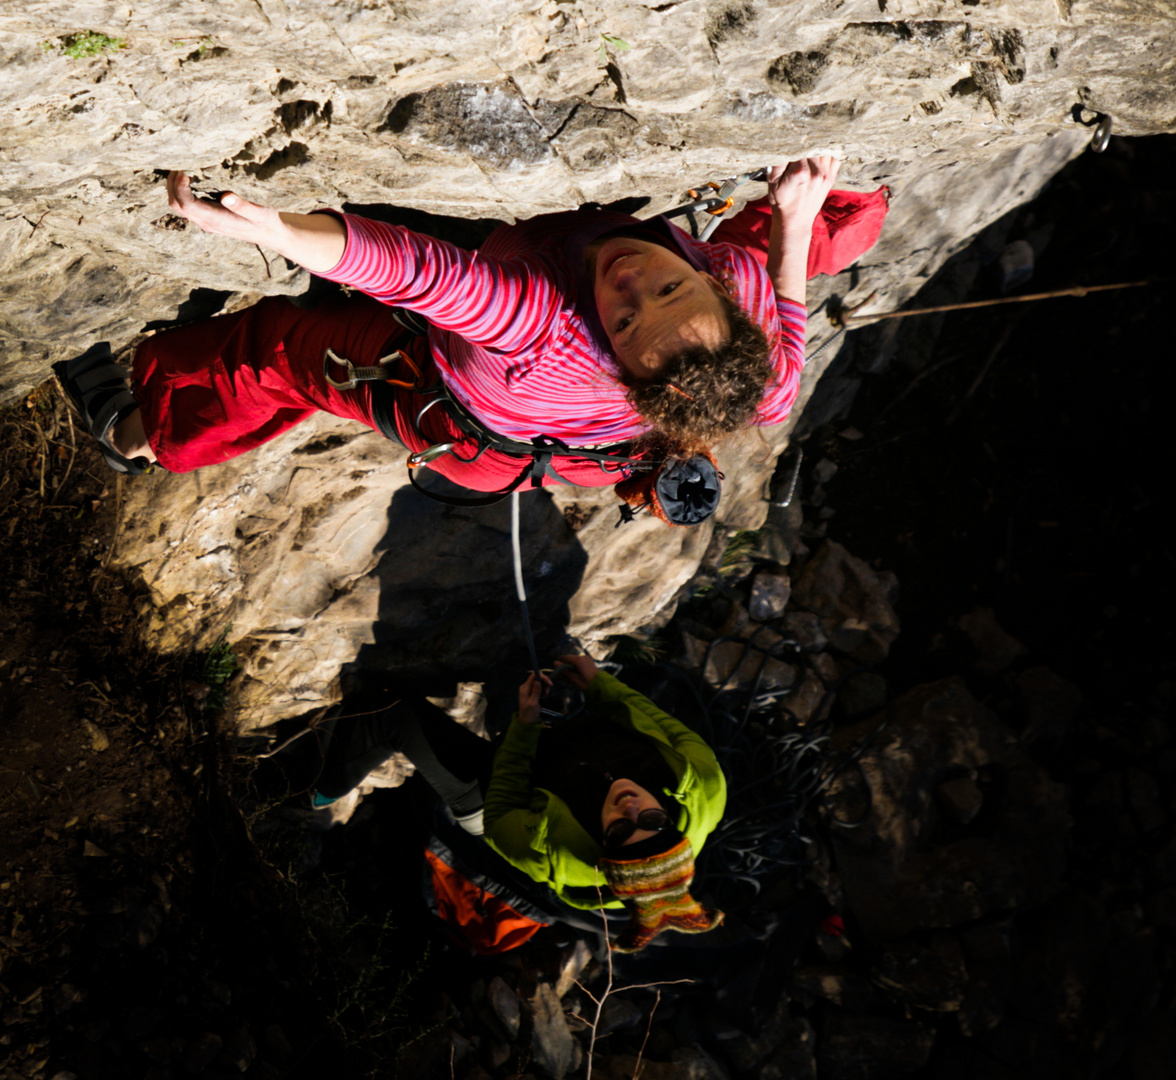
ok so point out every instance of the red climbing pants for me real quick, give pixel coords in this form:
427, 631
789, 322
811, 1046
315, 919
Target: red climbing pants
214, 389
217, 388
845, 229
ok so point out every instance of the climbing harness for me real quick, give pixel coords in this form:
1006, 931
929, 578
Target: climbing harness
540, 454
715, 205
542, 451
684, 493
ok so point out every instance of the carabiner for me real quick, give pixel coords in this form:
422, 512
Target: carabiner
1102, 133
377, 372
423, 457
332, 357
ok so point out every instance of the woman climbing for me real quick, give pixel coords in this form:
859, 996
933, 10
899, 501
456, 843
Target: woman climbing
585, 330
609, 807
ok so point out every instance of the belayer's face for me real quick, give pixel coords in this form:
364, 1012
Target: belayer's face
653, 304
627, 801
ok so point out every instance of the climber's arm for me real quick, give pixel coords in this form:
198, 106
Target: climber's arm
797, 192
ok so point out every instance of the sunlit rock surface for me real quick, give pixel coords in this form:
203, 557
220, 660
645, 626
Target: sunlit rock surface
495, 110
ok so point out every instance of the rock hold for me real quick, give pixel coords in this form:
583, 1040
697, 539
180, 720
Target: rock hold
770, 591
505, 1003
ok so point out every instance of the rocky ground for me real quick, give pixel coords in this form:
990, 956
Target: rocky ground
990, 891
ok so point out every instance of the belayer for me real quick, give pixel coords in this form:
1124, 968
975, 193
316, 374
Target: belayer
608, 807
585, 347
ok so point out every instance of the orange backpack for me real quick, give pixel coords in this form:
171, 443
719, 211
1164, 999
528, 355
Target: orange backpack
480, 911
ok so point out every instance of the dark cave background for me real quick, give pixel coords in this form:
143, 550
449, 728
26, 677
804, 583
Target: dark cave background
1018, 458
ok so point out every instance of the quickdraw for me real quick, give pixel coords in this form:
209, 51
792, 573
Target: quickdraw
715, 205
377, 372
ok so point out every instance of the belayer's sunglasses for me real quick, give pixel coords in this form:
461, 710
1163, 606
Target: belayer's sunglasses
655, 820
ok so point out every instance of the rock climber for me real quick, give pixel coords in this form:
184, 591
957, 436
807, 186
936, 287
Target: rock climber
608, 806
587, 330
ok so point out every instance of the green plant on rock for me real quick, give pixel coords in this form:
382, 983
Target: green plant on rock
202, 46
610, 44
85, 44
632, 650
739, 554
216, 668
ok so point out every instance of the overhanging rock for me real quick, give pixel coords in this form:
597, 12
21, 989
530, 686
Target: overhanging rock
497, 110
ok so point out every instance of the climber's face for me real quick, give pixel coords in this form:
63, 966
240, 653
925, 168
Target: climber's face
631, 814
653, 304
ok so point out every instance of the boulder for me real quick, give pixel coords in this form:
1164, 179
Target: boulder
912, 865
852, 600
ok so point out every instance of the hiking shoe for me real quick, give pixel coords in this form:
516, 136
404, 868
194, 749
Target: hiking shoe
472, 823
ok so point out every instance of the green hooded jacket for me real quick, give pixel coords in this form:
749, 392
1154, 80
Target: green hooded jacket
533, 829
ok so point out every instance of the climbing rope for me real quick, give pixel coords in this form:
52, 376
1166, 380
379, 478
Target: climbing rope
778, 767
843, 317
520, 587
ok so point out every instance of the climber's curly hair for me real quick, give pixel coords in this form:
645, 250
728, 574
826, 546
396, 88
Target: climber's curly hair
702, 394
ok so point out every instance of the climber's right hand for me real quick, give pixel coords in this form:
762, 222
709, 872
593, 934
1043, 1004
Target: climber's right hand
316, 241
230, 216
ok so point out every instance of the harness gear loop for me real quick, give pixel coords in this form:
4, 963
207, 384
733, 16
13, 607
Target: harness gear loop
376, 373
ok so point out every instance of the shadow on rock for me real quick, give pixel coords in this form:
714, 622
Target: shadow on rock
447, 602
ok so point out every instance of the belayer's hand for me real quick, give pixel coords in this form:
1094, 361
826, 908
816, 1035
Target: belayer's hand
231, 216
580, 670
529, 694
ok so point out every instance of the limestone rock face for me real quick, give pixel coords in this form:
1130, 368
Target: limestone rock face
506, 109
493, 110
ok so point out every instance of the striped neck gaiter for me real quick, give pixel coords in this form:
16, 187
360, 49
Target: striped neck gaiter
657, 891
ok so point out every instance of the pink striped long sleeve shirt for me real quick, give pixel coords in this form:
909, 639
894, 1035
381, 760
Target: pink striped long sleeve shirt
513, 327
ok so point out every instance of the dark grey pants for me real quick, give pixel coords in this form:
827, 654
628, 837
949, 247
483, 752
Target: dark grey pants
368, 727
